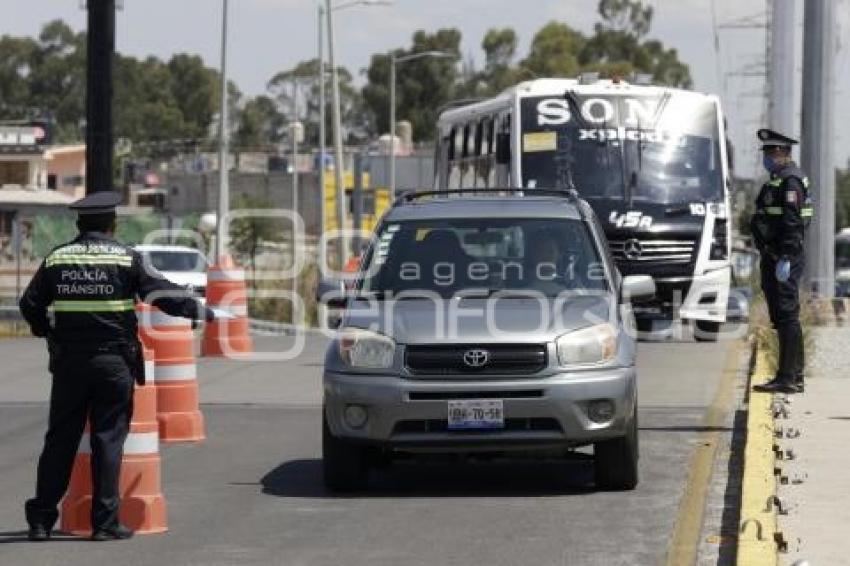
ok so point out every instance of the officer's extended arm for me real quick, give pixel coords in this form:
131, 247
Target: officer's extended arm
169, 297
790, 238
34, 302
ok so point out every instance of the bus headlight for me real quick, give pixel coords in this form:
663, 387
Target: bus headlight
592, 345
364, 349
719, 240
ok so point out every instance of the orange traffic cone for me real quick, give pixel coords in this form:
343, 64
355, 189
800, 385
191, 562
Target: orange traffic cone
173, 344
226, 290
142, 503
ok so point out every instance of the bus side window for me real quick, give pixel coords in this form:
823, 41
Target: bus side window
490, 174
454, 141
484, 161
468, 165
503, 151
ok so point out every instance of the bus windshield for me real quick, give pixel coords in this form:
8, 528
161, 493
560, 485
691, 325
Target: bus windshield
661, 148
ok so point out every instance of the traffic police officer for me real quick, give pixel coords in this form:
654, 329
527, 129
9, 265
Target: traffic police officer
92, 283
783, 211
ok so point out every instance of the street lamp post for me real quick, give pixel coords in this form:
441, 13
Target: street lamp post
337, 120
320, 55
223, 150
393, 62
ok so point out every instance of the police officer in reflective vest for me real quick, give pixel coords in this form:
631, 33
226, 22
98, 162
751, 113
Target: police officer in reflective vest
783, 211
91, 284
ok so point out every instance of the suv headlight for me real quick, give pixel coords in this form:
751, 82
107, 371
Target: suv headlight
360, 348
592, 345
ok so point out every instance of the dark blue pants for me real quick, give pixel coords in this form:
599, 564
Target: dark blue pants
96, 386
783, 304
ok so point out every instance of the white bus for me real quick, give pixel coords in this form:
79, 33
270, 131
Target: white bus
651, 161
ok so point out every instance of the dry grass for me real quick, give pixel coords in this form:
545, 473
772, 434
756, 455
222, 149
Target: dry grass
763, 335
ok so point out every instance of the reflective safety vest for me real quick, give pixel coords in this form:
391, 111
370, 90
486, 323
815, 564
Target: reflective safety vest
783, 211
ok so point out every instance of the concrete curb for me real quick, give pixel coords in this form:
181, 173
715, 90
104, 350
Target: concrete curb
757, 533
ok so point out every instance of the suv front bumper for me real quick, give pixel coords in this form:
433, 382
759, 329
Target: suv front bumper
546, 412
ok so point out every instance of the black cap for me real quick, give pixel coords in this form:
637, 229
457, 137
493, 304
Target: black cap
102, 202
771, 138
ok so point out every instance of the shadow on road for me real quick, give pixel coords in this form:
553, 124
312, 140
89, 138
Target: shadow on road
7, 537
523, 478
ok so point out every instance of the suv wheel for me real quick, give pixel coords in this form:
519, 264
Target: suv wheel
706, 330
345, 464
616, 461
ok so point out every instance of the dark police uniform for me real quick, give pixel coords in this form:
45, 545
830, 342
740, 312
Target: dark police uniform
92, 284
783, 211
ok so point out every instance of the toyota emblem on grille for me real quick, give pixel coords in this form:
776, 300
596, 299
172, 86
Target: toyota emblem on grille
476, 358
632, 249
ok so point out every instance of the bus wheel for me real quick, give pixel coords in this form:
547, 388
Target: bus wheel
706, 330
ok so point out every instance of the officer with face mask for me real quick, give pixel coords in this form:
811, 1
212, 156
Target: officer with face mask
783, 211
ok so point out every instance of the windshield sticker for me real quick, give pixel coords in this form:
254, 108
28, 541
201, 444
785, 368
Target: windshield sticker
631, 219
539, 141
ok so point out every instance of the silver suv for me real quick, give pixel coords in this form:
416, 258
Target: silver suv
483, 321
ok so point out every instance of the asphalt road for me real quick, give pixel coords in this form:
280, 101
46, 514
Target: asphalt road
252, 492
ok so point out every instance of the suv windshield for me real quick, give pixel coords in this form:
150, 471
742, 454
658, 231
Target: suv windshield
177, 261
451, 256
663, 149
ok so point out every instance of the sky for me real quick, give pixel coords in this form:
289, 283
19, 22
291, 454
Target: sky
266, 36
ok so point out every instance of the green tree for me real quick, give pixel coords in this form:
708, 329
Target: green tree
618, 48
354, 118
499, 47
57, 79
422, 85
260, 123
554, 52
247, 233
16, 55
195, 90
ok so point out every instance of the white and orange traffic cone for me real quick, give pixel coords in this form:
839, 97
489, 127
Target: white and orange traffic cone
176, 370
226, 290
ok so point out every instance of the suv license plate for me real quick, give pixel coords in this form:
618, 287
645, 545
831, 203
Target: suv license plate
469, 414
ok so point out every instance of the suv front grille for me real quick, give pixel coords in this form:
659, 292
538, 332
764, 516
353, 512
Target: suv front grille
503, 359
511, 425
641, 250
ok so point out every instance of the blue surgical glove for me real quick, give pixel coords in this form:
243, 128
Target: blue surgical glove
783, 270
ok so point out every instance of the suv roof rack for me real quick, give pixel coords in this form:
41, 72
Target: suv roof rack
410, 196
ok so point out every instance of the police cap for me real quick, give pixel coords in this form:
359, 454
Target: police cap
770, 138
102, 202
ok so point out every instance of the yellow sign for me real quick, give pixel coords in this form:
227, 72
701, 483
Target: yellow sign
539, 141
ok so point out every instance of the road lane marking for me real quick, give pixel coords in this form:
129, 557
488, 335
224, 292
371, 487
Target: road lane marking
688, 526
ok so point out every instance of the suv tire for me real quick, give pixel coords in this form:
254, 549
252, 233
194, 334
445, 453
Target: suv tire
615, 462
345, 465
706, 330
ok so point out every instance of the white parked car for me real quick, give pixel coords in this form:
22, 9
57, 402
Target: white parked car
180, 264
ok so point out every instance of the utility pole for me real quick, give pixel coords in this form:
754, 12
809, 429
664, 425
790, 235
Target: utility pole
221, 235
339, 161
781, 112
322, 134
818, 138
101, 46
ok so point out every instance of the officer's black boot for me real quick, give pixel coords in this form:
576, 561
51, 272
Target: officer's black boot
40, 521
118, 532
789, 336
799, 379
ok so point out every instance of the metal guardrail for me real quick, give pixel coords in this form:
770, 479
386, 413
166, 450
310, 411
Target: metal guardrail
10, 312
270, 328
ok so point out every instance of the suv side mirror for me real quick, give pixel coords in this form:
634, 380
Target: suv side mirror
503, 148
332, 293
637, 288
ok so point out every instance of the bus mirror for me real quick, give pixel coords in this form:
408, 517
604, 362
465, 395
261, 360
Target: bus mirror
503, 148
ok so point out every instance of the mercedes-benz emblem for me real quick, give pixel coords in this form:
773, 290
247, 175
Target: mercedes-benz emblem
476, 358
632, 249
